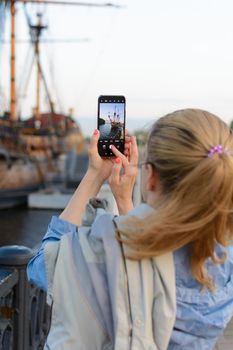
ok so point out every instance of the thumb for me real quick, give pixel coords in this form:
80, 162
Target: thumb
116, 169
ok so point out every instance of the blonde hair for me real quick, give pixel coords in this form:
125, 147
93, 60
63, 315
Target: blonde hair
196, 206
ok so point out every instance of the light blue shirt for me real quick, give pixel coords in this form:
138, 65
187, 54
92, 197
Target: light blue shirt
201, 315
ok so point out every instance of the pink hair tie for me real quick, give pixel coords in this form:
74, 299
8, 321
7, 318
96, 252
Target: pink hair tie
216, 149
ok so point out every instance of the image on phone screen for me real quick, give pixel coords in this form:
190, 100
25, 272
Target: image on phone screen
111, 123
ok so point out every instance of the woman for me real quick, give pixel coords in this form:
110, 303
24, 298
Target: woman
141, 301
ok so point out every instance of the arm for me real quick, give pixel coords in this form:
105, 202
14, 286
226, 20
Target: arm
88, 188
36, 271
68, 221
98, 171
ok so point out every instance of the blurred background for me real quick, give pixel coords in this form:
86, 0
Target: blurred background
161, 54
57, 57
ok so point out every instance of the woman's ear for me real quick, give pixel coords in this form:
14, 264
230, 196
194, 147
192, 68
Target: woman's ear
152, 178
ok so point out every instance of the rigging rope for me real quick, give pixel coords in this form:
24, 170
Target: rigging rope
3, 11
50, 58
24, 85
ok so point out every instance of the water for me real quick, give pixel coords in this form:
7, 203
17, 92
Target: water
23, 226
105, 130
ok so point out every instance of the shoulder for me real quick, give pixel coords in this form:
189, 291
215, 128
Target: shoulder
202, 312
103, 224
192, 301
221, 273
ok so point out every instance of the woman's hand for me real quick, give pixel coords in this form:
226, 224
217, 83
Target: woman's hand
99, 170
101, 167
122, 183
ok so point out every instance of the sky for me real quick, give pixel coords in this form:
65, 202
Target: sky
108, 109
162, 55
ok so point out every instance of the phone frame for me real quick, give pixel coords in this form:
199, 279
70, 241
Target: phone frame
109, 99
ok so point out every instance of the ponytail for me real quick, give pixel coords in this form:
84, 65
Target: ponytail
196, 205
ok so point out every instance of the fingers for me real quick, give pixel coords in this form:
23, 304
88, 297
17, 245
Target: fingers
114, 178
133, 151
130, 151
94, 142
127, 146
127, 142
94, 138
120, 155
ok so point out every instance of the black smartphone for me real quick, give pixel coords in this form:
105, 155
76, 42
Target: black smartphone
111, 124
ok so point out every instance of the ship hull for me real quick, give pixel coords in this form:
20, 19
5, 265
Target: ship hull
28, 154
19, 176
12, 198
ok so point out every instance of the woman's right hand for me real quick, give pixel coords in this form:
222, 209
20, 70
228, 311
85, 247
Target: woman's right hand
122, 183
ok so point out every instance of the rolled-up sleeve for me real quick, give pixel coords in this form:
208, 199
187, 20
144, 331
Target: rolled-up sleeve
36, 271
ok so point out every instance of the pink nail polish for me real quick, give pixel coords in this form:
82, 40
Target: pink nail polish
118, 160
96, 132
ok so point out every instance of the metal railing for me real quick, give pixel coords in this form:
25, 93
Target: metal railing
24, 314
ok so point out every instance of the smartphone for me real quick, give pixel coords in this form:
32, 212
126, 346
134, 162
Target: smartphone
111, 124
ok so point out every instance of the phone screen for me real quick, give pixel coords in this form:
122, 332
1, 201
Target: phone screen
111, 124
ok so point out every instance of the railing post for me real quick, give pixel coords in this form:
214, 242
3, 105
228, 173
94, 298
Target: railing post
8, 281
16, 258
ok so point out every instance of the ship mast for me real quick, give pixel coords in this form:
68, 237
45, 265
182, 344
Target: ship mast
38, 83
36, 33
13, 102
13, 112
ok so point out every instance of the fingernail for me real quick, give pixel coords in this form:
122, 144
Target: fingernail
118, 160
96, 132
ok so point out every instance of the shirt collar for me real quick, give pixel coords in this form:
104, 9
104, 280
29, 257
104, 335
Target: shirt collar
142, 210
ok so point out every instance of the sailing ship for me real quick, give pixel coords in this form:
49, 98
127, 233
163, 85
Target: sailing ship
116, 124
29, 148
